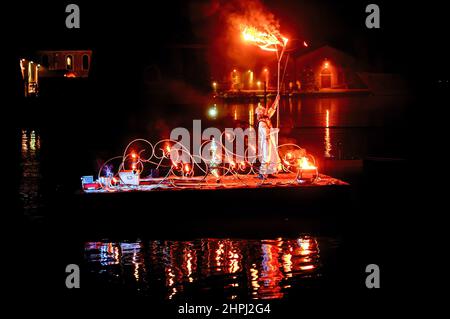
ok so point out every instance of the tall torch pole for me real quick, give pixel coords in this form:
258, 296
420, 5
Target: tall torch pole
278, 83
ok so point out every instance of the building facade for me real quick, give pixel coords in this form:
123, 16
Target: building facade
325, 69
68, 63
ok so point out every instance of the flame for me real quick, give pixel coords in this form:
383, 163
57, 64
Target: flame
167, 151
305, 164
265, 40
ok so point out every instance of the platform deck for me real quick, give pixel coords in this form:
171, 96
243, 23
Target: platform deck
226, 182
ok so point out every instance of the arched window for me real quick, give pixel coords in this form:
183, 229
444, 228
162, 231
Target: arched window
69, 62
85, 62
44, 61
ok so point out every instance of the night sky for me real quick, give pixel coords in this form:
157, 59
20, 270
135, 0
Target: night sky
137, 31
129, 37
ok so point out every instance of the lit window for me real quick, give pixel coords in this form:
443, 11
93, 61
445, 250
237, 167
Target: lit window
69, 62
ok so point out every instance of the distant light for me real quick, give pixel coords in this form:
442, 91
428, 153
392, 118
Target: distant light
307, 267
212, 112
234, 70
265, 70
326, 65
214, 84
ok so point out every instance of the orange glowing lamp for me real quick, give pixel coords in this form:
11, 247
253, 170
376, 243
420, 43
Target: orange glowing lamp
307, 172
305, 164
307, 267
166, 150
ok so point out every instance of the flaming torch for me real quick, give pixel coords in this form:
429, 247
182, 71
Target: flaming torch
268, 41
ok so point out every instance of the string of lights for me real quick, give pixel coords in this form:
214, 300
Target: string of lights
179, 167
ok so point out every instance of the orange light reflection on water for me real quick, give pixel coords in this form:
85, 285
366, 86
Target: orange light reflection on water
261, 269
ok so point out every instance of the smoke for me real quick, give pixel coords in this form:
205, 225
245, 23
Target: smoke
253, 13
227, 47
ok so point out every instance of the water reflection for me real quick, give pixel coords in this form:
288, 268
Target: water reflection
29, 187
259, 269
327, 126
327, 141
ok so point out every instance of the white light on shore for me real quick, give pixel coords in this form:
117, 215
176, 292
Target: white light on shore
212, 112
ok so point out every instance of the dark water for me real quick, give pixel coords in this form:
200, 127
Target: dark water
342, 127
337, 128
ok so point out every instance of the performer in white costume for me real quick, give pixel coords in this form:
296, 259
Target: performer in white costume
267, 141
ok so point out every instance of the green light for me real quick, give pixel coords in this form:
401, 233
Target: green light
212, 112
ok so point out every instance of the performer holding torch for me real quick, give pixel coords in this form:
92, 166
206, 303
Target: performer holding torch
267, 141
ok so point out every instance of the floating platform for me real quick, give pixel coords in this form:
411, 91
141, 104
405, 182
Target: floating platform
242, 205
235, 181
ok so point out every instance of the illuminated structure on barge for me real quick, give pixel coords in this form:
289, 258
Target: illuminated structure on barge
167, 164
